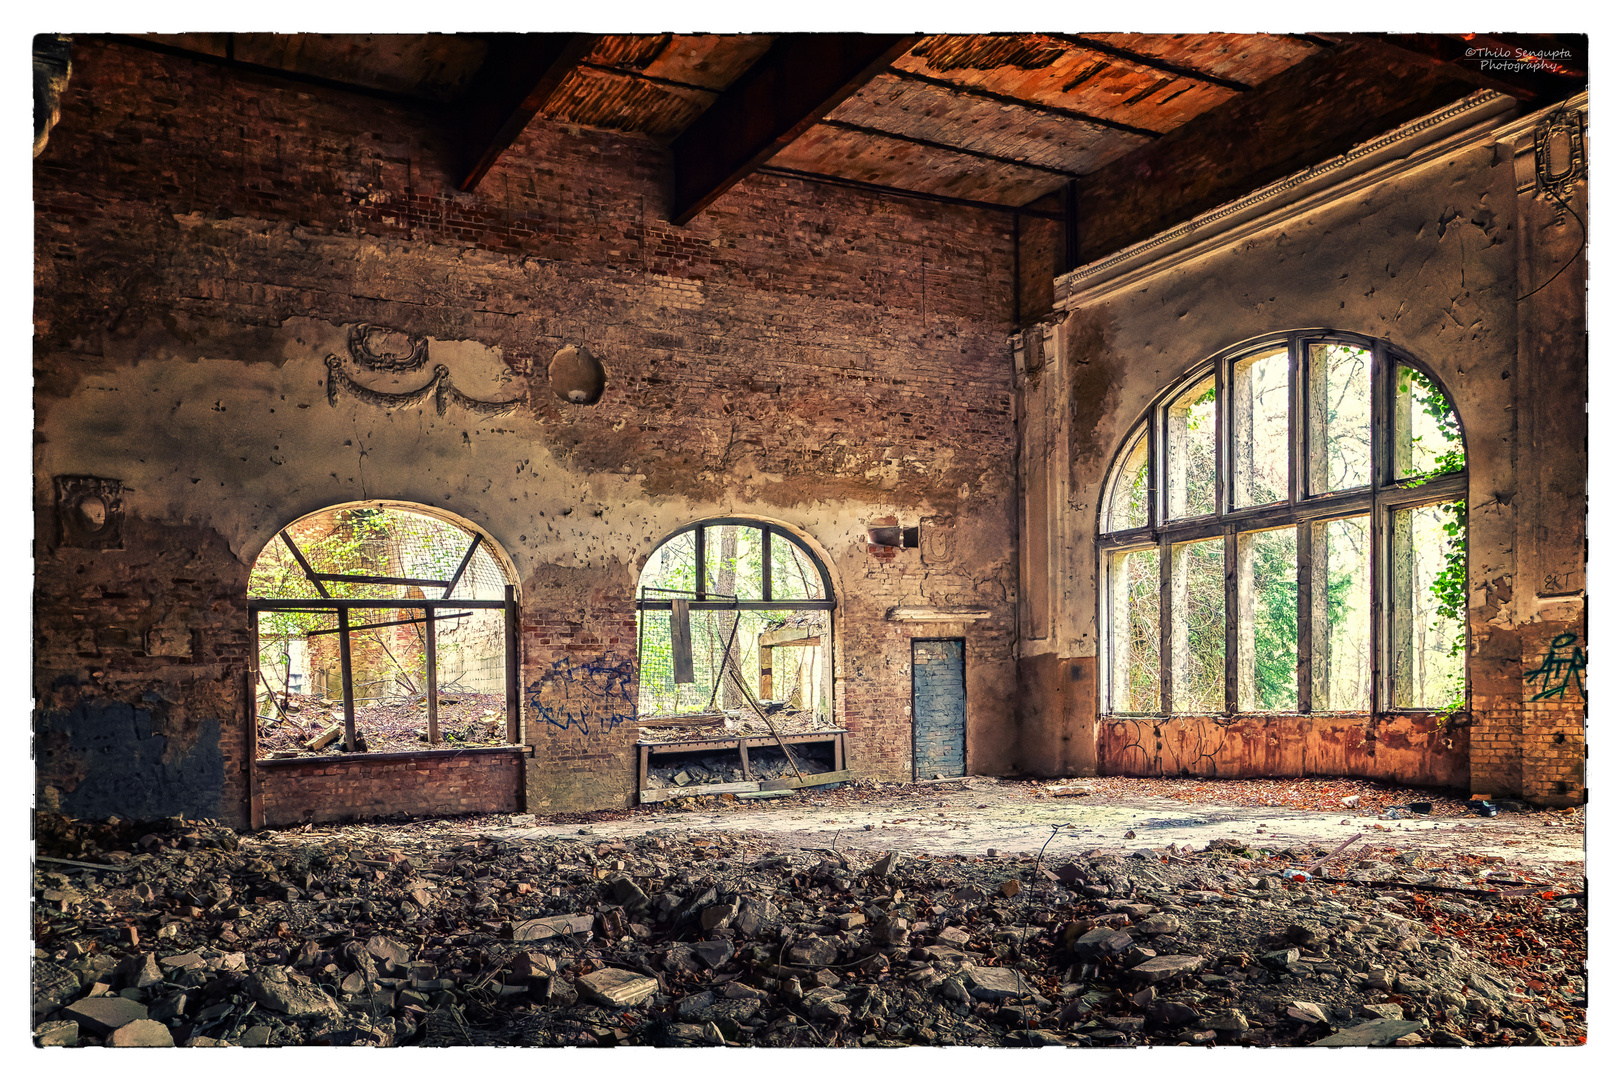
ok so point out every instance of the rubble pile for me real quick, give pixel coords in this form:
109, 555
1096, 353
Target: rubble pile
726, 768
390, 936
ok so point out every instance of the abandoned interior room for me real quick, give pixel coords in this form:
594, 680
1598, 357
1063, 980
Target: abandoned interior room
809, 539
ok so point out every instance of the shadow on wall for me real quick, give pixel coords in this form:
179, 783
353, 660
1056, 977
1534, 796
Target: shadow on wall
104, 758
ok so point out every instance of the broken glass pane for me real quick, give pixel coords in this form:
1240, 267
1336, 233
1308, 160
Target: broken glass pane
1190, 436
1340, 406
1260, 428
1428, 435
1198, 626
1127, 501
1340, 616
793, 575
1133, 579
1268, 621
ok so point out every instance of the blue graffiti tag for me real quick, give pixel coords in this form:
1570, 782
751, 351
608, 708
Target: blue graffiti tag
1556, 670
580, 697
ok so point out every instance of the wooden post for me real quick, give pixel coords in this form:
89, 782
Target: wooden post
432, 679
838, 752
347, 674
641, 768
742, 748
765, 672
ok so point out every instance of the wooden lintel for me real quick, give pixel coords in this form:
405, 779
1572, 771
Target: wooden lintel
800, 79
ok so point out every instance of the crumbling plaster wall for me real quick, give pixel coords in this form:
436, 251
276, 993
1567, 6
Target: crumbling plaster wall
808, 356
1433, 260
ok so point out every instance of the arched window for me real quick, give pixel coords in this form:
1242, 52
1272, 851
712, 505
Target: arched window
733, 608
1286, 532
390, 618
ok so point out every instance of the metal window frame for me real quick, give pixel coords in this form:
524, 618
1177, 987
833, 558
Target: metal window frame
1301, 510
429, 618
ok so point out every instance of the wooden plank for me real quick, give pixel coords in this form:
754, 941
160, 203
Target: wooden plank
661, 794
779, 794
816, 779
680, 639
742, 749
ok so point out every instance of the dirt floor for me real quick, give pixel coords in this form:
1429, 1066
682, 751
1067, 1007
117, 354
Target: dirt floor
386, 726
1142, 912
974, 815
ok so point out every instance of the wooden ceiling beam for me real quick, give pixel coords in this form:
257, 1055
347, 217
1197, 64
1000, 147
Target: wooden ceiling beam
519, 76
964, 90
799, 80
880, 133
1155, 63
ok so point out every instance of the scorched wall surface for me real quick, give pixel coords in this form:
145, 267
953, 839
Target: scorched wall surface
807, 356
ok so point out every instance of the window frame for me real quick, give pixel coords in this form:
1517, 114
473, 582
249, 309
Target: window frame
1378, 501
701, 598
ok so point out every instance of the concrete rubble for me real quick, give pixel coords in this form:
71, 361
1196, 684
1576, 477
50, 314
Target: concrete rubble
436, 935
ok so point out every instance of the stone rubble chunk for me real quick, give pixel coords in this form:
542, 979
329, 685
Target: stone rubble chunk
272, 989
616, 987
142, 1033
57, 1033
1160, 968
104, 1015
1372, 1033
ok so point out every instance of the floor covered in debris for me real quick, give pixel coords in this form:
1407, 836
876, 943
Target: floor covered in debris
981, 912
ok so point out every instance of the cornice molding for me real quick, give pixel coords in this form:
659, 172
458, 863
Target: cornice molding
1475, 119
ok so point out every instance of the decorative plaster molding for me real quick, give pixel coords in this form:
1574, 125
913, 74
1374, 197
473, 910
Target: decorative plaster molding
440, 388
363, 336
1471, 120
90, 512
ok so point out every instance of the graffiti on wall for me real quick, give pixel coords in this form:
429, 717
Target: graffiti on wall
1559, 669
1136, 747
593, 697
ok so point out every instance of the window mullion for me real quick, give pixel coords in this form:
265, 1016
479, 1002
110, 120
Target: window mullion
1378, 633
1166, 636
1296, 420
1304, 628
1231, 605
1223, 434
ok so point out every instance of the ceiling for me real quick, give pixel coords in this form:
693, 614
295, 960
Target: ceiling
1000, 120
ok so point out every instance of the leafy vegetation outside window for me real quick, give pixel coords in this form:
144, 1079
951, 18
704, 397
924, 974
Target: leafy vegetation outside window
761, 607
1265, 510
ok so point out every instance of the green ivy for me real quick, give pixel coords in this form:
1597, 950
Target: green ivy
1450, 586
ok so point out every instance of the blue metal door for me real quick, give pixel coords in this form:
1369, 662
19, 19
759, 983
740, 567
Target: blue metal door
938, 707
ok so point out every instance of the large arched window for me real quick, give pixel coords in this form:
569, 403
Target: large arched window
389, 619
733, 608
1285, 532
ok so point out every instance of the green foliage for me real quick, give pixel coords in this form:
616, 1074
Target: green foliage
1276, 624
1450, 586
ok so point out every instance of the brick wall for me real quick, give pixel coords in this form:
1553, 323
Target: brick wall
139, 656
428, 783
815, 357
